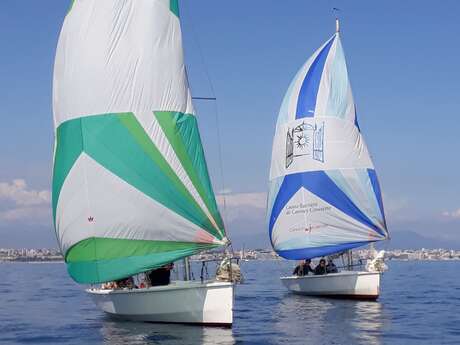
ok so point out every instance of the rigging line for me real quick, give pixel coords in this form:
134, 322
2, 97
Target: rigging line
219, 145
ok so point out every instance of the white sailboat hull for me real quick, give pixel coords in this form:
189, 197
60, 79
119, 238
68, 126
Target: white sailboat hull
209, 303
345, 284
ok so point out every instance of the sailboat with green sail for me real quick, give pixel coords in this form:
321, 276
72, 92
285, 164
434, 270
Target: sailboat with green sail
131, 188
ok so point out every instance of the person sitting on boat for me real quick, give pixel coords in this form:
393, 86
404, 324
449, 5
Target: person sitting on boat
321, 268
303, 268
127, 283
161, 276
144, 282
331, 267
109, 286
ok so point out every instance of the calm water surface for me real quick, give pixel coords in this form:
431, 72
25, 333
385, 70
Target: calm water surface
420, 304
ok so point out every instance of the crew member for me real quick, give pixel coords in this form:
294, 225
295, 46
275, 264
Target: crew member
321, 268
303, 268
160, 276
331, 267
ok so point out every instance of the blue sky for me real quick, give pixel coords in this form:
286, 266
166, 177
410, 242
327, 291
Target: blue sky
403, 64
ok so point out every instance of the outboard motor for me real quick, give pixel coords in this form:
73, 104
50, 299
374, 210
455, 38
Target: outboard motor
377, 264
229, 272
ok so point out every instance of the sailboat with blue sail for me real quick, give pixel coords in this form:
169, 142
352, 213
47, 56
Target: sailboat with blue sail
324, 195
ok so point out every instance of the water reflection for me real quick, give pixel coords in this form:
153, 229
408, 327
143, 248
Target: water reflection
412, 310
117, 332
324, 321
369, 322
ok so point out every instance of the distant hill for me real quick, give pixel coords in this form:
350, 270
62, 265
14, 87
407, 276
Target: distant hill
414, 240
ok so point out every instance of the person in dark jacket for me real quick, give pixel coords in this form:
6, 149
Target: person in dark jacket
321, 268
160, 276
331, 267
303, 268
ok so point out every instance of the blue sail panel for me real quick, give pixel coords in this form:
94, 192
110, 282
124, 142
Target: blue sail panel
378, 193
357, 185
356, 121
310, 253
321, 185
306, 102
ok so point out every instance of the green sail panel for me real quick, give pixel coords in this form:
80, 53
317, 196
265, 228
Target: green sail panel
119, 143
129, 164
71, 5
174, 6
97, 260
183, 134
69, 145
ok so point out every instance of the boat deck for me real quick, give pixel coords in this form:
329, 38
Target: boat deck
174, 285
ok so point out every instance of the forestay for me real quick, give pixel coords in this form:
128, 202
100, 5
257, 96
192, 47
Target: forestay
131, 189
324, 195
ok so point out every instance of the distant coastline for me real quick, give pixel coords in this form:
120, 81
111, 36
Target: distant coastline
53, 255
58, 259
30, 255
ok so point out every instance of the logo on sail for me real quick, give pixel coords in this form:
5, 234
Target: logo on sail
305, 140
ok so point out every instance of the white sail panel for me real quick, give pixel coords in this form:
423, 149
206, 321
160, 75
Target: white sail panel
318, 143
108, 207
117, 56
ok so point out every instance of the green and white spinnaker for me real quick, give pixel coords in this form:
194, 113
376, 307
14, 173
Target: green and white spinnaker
131, 189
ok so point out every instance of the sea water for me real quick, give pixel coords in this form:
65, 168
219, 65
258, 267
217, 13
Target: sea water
419, 304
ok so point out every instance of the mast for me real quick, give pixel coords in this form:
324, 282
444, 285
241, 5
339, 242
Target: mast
186, 268
337, 23
350, 260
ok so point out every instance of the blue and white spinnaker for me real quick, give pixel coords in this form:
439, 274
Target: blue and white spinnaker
324, 196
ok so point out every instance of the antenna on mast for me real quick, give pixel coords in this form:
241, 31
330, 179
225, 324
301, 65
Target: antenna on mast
337, 23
